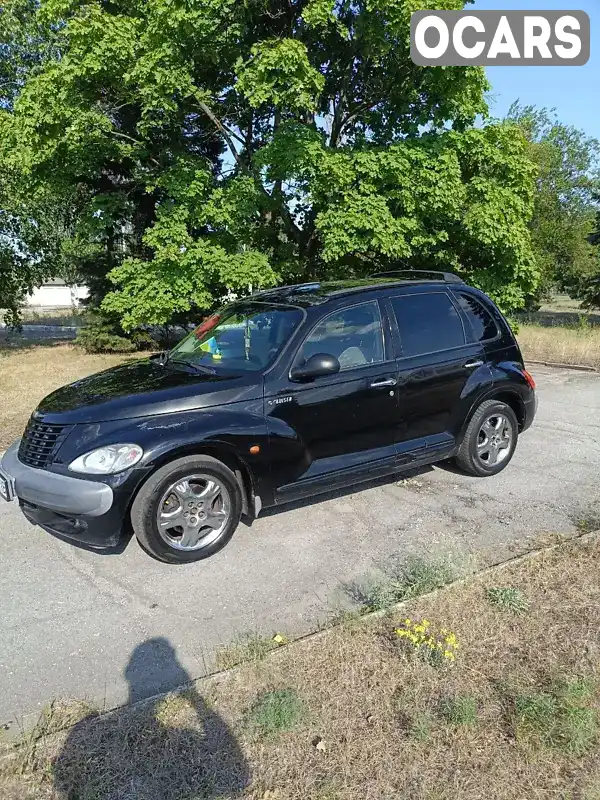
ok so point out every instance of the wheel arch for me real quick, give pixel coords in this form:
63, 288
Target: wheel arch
512, 399
219, 450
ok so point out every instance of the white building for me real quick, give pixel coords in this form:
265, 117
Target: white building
55, 293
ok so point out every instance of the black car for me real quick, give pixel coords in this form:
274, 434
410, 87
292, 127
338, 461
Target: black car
287, 393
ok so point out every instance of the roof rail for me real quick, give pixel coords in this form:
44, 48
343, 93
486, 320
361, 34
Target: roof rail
289, 288
448, 277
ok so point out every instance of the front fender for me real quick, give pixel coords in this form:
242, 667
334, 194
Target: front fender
232, 430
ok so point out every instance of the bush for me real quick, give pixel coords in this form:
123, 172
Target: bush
101, 335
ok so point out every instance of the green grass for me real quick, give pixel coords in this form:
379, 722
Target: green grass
507, 598
421, 726
560, 718
575, 690
459, 710
275, 712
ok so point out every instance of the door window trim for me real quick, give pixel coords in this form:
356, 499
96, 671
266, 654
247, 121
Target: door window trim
339, 310
401, 356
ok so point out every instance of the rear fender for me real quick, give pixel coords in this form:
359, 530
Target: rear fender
508, 386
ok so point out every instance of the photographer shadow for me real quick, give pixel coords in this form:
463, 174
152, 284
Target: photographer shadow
171, 747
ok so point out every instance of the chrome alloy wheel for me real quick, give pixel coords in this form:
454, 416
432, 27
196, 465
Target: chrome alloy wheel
494, 440
193, 512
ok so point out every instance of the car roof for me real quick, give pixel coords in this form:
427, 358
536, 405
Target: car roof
317, 292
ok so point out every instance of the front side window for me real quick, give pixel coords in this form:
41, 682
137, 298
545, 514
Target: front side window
481, 320
353, 335
427, 323
243, 336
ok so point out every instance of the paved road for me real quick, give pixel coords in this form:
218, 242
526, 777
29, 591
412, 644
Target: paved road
71, 618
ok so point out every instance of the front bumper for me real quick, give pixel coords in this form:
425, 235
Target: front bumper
81, 510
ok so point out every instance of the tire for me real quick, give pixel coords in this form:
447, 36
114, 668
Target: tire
492, 421
192, 485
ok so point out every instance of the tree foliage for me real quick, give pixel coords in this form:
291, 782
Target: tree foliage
566, 199
219, 145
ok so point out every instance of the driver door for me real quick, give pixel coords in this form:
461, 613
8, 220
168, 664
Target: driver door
324, 429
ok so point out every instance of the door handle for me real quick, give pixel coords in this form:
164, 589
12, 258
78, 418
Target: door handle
381, 384
473, 364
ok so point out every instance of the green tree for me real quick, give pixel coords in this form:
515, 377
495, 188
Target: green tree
222, 145
566, 199
589, 287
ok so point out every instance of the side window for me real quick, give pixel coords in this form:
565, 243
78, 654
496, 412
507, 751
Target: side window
427, 323
353, 335
480, 318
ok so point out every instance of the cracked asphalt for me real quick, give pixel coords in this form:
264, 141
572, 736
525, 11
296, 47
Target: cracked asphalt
71, 618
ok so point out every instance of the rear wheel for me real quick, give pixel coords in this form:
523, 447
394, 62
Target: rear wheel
490, 439
187, 510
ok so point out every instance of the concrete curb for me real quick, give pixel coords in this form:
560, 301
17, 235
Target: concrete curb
11, 736
558, 365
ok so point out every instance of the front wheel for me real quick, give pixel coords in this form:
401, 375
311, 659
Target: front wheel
187, 510
490, 439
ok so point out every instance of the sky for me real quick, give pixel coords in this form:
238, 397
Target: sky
573, 91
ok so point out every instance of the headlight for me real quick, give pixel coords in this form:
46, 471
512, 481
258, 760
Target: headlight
108, 460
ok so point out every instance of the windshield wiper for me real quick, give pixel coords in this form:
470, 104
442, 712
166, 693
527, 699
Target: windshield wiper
196, 367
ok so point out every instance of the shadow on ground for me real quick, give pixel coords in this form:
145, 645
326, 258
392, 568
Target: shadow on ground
354, 488
169, 748
10, 345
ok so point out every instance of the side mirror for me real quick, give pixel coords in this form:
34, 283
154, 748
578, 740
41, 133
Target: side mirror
318, 365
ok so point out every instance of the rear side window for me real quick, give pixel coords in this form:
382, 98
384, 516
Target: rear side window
480, 318
427, 323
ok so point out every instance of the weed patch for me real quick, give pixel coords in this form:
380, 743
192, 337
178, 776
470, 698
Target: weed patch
507, 598
561, 719
246, 648
275, 712
414, 577
459, 710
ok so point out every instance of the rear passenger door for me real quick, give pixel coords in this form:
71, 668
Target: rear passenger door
439, 364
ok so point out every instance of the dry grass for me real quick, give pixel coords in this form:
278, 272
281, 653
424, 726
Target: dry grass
575, 345
375, 723
561, 332
28, 372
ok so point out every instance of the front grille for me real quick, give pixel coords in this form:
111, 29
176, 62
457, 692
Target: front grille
40, 442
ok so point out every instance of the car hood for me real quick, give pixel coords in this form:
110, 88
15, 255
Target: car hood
141, 388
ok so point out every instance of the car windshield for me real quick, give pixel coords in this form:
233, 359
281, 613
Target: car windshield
243, 336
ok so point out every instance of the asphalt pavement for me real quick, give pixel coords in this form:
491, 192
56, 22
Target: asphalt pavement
70, 618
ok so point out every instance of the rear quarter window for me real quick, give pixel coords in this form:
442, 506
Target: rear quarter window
482, 323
